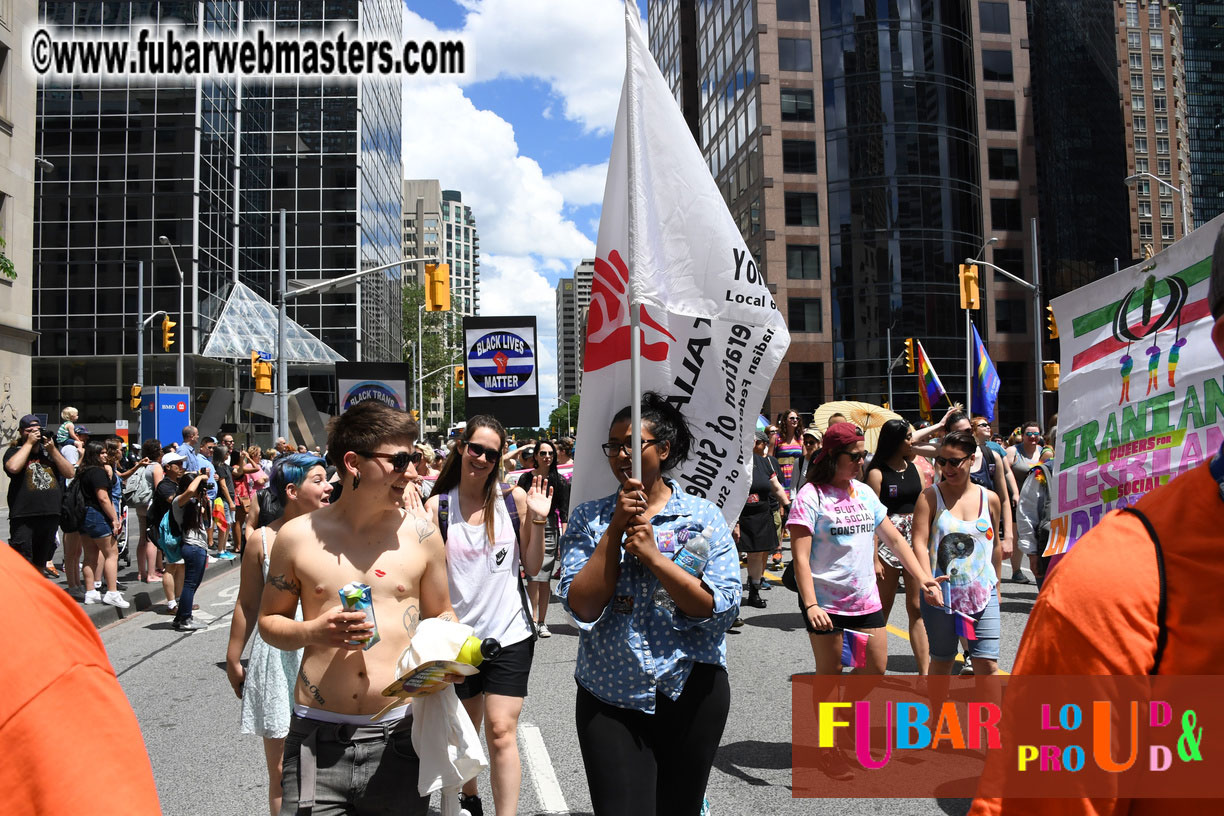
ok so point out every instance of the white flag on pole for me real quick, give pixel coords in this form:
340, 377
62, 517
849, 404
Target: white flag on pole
712, 336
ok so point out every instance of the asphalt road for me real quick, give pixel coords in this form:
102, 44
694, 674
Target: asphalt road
203, 766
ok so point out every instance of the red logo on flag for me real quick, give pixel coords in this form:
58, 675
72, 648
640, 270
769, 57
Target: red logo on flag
501, 360
608, 323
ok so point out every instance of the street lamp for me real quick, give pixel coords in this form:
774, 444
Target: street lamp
1186, 229
1035, 288
982, 251
163, 240
566, 403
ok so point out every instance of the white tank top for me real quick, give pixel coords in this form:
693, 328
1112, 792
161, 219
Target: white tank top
484, 580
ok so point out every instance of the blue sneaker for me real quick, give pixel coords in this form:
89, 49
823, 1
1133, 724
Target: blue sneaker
227, 556
705, 807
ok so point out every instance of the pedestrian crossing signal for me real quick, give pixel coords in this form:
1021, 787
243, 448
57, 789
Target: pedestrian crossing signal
969, 296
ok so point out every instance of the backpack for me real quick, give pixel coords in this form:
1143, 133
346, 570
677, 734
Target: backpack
138, 492
512, 509
72, 506
167, 539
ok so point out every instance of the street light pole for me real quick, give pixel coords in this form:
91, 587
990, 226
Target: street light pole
1186, 229
161, 239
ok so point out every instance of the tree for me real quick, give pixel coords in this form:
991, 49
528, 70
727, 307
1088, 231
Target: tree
441, 348
557, 419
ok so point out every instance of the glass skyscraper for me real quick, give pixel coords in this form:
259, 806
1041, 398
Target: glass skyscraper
1203, 37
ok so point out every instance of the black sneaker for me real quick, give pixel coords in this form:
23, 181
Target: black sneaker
470, 805
833, 764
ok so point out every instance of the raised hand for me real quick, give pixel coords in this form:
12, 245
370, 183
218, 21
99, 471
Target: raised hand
539, 497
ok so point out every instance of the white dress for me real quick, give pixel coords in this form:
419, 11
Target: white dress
267, 695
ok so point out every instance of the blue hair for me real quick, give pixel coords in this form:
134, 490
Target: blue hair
286, 470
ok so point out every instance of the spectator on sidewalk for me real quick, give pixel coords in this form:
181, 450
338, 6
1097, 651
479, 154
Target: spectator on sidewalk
100, 530
163, 494
35, 469
73, 448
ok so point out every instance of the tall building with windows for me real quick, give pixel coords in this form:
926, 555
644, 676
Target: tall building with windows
210, 169
1203, 41
865, 150
1152, 81
437, 224
568, 361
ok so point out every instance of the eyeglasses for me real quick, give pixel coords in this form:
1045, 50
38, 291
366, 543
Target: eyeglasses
855, 457
400, 460
477, 451
614, 449
771, 430
954, 462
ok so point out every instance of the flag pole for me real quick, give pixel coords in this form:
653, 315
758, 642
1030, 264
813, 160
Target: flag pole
969, 361
635, 308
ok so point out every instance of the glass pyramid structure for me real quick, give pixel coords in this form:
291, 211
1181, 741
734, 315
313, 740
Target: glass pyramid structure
248, 323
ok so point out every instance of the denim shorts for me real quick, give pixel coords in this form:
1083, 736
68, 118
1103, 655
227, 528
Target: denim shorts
95, 524
941, 631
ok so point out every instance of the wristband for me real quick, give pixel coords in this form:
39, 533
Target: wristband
539, 521
809, 606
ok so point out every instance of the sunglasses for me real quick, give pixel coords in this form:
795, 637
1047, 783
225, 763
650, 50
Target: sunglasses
855, 457
982, 425
954, 462
1032, 433
545, 454
400, 460
477, 451
613, 449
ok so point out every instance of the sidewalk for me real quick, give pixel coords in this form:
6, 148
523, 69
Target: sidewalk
140, 595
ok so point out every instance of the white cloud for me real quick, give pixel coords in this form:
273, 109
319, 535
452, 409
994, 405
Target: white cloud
578, 48
582, 185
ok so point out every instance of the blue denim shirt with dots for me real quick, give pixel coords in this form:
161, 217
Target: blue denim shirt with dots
640, 644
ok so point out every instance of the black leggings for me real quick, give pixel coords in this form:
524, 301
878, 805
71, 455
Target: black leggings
624, 750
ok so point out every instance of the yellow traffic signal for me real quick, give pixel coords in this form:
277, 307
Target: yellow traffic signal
261, 370
254, 363
416, 415
437, 287
969, 298
1051, 324
1050, 374
135, 401
909, 355
460, 377
167, 334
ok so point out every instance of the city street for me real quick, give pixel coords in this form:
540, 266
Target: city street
189, 715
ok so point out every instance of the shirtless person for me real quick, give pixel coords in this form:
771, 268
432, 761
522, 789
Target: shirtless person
336, 759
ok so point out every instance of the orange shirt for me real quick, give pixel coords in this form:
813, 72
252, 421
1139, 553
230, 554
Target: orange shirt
71, 743
1096, 615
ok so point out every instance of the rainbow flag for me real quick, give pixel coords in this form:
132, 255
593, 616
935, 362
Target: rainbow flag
965, 627
218, 515
985, 380
854, 648
930, 389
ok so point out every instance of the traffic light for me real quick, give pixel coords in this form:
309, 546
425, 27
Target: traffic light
416, 415
909, 355
262, 372
437, 287
254, 363
167, 334
1049, 373
135, 402
460, 377
1051, 324
969, 286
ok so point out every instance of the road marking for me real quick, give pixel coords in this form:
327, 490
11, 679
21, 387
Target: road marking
228, 596
901, 633
539, 766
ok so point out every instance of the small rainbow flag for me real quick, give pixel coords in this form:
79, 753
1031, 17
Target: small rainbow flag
218, 515
965, 627
854, 648
930, 389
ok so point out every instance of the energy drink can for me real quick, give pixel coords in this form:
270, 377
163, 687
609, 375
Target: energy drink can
356, 597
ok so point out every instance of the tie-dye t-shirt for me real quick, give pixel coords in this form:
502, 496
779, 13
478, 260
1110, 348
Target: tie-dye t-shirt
842, 524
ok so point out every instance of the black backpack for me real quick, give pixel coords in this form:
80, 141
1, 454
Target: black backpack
72, 507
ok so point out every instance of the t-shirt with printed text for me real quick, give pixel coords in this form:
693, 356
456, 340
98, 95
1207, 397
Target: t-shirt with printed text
842, 524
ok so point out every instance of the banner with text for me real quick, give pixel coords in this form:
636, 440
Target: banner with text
1124, 432
500, 355
386, 382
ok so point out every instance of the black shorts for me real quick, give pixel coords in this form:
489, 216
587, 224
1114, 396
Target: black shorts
505, 674
872, 620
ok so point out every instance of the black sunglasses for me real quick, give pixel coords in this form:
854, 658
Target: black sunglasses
954, 461
855, 457
490, 454
612, 449
400, 460
545, 453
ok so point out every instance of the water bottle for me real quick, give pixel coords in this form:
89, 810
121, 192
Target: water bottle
696, 552
475, 651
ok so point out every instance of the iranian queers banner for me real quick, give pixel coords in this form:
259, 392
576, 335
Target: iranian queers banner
1141, 398
712, 336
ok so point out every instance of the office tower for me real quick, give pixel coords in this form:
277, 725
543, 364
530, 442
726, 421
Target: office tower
437, 224
584, 277
1152, 82
865, 150
568, 361
18, 169
1203, 41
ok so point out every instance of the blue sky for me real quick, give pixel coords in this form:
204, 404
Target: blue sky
525, 135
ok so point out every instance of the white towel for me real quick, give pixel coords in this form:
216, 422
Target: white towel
442, 733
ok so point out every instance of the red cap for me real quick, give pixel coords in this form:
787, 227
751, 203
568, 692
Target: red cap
839, 435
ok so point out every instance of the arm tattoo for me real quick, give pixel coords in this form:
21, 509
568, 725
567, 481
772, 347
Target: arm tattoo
424, 529
448, 616
412, 616
313, 689
285, 584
